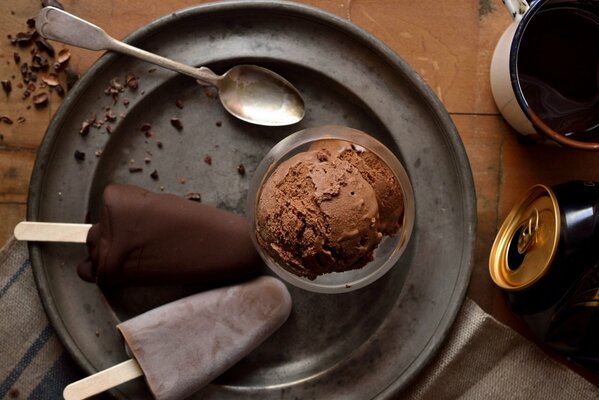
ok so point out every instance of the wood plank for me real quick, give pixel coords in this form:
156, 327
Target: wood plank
10, 215
15, 172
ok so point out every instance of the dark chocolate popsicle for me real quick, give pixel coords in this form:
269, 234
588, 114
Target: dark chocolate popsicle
145, 238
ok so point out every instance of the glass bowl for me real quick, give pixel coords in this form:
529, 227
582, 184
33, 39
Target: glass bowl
390, 248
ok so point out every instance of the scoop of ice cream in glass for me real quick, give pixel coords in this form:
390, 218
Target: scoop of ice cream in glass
331, 209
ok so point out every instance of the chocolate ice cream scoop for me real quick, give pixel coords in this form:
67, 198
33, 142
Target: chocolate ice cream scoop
317, 214
378, 175
148, 238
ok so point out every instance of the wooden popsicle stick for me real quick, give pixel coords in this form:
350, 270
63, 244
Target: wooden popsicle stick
51, 232
103, 380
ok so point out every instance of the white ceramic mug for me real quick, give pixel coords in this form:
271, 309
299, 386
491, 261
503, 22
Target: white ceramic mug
506, 76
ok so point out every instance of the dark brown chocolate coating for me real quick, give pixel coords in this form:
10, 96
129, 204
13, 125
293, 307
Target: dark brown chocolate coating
145, 238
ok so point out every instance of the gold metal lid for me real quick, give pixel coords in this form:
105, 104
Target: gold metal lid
527, 240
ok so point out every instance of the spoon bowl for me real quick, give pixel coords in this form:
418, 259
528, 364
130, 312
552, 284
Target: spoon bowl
251, 93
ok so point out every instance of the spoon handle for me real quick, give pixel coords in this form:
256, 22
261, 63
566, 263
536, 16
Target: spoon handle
55, 24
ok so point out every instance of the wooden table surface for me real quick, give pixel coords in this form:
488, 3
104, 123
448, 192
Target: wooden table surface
449, 43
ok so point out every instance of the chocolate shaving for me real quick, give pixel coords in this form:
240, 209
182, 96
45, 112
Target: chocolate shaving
110, 115
84, 130
50, 79
176, 122
131, 81
43, 45
7, 86
79, 155
194, 196
63, 56
6, 120
60, 90
41, 99
24, 39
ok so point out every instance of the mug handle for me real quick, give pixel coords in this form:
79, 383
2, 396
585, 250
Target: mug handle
517, 8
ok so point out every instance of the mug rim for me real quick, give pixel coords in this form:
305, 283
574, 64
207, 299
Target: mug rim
536, 121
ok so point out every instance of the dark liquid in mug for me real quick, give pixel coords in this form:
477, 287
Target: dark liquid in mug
558, 69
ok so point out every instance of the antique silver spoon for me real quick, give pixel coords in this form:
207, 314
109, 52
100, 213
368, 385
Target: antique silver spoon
250, 93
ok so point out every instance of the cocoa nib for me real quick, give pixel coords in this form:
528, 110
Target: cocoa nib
194, 196
79, 155
6, 120
43, 45
41, 99
131, 81
176, 122
24, 39
7, 86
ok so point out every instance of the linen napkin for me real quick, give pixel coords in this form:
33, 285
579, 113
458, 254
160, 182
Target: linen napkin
481, 359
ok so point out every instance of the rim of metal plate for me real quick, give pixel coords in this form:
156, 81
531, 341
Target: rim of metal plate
467, 183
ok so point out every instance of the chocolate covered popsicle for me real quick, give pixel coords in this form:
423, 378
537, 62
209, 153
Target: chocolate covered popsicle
182, 346
150, 238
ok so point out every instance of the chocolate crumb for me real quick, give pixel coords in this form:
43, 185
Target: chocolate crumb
219, 123
145, 127
176, 122
194, 196
43, 45
40, 100
149, 134
126, 102
98, 153
6, 120
26, 94
179, 104
208, 160
131, 81
17, 58
135, 169
13, 393
24, 39
108, 129
241, 169
84, 130
7, 86
60, 90
79, 155
30, 21
147, 160
63, 56
154, 175
97, 333
159, 144
151, 70
31, 87
110, 115
182, 180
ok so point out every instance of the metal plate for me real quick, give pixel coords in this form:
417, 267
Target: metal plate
363, 344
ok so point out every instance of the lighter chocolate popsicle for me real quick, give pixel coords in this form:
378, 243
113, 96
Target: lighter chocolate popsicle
146, 238
182, 346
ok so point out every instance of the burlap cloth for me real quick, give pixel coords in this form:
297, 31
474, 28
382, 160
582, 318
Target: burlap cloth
482, 359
